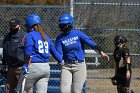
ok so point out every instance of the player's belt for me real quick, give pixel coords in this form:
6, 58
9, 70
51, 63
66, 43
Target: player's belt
39, 62
74, 61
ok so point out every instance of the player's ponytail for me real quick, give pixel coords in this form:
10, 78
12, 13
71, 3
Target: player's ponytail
41, 31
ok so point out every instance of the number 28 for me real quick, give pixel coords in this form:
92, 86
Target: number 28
42, 46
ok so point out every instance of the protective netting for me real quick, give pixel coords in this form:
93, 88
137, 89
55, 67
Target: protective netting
99, 19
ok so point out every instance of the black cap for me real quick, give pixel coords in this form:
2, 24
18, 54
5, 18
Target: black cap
14, 22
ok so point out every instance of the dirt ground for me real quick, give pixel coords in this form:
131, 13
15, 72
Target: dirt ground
98, 81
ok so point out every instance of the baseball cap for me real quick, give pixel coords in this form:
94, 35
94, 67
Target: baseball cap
14, 22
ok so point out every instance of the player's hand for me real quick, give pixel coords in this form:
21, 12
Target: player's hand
3, 70
104, 56
128, 74
60, 64
25, 69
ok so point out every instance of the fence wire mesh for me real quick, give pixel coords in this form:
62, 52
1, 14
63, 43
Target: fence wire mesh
102, 21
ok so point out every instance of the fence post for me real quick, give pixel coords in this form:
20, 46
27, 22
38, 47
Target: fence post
71, 7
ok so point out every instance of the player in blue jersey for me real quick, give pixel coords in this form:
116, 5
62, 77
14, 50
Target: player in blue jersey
38, 47
71, 45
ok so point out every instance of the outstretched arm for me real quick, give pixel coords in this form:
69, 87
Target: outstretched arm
84, 38
103, 55
55, 53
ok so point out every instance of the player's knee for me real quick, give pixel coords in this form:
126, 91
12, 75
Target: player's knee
77, 90
127, 90
122, 89
65, 90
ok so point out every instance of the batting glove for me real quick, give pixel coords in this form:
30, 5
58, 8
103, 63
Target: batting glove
25, 69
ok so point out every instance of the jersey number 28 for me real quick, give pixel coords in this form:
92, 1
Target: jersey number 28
42, 46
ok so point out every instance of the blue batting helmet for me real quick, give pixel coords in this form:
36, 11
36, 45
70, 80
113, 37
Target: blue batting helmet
66, 19
33, 19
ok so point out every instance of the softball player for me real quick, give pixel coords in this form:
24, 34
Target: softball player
122, 65
38, 47
71, 45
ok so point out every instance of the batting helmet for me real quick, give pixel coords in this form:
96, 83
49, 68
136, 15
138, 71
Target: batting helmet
120, 39
66, 19
32, 19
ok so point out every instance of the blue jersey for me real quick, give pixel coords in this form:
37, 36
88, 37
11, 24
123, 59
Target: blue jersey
38, 49
71, 45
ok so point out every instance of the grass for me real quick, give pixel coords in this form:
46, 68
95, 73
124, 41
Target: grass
99, 81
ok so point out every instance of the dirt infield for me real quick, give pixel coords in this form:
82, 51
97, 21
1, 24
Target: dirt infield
98, 81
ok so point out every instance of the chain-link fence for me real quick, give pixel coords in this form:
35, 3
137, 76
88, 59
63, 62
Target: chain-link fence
102, 21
